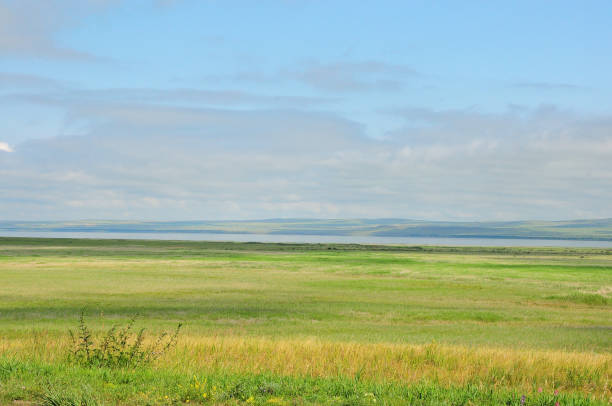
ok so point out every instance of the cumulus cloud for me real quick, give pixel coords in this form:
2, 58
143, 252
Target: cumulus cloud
5, 147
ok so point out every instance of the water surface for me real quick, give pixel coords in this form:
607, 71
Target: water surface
293, 238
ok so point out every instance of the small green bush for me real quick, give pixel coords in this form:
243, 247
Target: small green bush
119, 347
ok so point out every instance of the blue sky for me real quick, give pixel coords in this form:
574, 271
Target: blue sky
176, 110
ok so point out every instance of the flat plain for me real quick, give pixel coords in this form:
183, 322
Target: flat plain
310, 323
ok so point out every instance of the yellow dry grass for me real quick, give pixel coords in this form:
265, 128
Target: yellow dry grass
588, 373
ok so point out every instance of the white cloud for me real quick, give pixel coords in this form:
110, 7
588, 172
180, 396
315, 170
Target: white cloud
5, 147
28, 27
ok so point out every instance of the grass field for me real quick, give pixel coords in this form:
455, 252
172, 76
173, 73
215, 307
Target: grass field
310, 324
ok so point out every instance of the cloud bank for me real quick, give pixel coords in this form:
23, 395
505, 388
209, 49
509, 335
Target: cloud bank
143, 161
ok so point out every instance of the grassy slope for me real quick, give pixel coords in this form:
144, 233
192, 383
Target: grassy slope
502, 318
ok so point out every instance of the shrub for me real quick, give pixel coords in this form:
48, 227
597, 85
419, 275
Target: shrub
119, 347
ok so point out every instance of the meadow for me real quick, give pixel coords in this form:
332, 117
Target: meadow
310, 323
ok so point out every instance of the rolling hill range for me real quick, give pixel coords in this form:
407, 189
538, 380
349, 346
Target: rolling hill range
600, 229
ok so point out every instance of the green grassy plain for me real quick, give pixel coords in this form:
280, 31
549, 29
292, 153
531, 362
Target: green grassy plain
312, 324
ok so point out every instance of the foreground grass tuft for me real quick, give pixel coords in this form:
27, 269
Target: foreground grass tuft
120, 347
67, 397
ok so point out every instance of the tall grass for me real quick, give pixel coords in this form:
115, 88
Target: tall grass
446, 365
588, 373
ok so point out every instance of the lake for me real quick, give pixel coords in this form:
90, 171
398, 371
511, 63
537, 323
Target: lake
475, 242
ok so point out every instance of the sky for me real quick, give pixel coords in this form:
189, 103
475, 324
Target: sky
217, 110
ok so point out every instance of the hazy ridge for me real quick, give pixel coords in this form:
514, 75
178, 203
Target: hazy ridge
600, 229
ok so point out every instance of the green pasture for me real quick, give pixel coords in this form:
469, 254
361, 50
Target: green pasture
515, 298
536, 298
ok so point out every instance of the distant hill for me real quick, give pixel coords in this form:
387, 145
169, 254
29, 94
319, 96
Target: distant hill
600, 229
